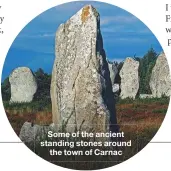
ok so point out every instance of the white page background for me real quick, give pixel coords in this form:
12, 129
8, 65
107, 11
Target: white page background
16, 156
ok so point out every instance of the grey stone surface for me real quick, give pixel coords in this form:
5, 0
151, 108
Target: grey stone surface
160, 82
113, 71
129, 78
33, 133
23, 85
81, 89
116, 88
143, 96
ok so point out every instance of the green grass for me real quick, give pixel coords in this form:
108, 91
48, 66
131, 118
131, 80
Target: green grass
34, 106
139, 139
45, 105
161, 101
162, 111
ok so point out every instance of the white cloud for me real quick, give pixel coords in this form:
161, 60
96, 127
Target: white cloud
144, 31
47, 35
71, 7
43, 35
112, 29
132, 39
124, 29
118, 19
77, 5
125, 40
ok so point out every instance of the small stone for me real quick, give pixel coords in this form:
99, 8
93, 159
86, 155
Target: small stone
144, 96
33, 133
116, 88
113, 72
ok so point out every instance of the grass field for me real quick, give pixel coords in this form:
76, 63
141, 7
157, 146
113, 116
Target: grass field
139, 119
141, 113
145, 114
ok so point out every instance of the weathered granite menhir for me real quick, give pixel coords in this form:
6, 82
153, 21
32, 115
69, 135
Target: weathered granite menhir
129, 78
81, 89
23, 85
160, 82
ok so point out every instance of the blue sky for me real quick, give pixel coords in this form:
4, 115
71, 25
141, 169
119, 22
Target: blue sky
123, 35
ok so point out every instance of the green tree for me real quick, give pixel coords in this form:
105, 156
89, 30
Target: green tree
43, 82
6, 90
146, 65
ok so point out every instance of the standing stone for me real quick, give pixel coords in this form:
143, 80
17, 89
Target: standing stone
160, 82
23, 85
32, 133
129, 78
113, 71
115, 88
144, 96
81, 89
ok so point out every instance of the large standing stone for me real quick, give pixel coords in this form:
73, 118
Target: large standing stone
160, 82
81, 89
23, 85
129, 78
113, 71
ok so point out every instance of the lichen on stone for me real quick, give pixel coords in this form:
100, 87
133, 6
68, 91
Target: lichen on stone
85, 13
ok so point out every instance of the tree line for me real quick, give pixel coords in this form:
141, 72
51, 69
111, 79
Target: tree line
147, 63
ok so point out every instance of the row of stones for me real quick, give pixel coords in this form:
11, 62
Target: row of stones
160, 82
